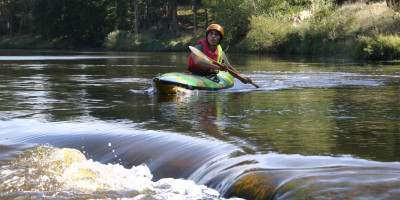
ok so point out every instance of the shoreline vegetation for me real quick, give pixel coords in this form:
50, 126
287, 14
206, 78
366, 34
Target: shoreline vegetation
358, 30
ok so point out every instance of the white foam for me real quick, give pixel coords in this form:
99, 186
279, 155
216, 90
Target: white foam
53, 169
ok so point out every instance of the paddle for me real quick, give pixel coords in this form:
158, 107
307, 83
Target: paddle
211, 61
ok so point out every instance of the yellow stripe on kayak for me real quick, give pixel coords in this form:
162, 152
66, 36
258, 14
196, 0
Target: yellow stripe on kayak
230, 80
199, 81
183, 82
177, 78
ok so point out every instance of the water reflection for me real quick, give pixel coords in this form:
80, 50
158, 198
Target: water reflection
199, 112
302, 121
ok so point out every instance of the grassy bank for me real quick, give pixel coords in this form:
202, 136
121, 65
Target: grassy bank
29, 41
359, 30
24, 42
150, 41
353, 30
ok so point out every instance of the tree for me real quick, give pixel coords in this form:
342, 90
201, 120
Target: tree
122, 14
157, 18
173, 15
79, 22
136, 14
16, 15
195, 6
233, 16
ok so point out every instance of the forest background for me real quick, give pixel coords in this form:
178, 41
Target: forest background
363, 29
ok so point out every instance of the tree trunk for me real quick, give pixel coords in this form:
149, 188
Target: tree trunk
168, 23
20, 26
206, 13
174, 17
135, 8
11, 22
145, 18
194, 16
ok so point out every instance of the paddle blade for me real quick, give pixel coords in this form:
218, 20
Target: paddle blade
201, 54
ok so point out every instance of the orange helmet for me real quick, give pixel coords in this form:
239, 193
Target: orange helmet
216, 27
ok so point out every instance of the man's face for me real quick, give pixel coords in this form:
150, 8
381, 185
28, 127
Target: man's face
213, 38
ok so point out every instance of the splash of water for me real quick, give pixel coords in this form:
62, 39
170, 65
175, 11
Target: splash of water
48, 172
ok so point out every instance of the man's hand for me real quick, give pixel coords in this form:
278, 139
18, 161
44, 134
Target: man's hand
248, 80
223, 67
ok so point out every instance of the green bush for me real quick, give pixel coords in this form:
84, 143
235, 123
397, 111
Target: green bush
120, 41
381, 47
267, 34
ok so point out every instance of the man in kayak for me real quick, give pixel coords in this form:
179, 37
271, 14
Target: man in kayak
211, 47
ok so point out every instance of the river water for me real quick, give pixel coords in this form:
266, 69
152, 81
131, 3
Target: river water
88, 125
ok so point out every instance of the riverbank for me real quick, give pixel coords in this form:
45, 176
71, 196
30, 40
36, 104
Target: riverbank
358, 30
27, 41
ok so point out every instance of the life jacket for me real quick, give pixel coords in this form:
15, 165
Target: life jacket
216, 55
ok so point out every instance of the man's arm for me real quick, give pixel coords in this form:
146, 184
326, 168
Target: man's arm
204, 64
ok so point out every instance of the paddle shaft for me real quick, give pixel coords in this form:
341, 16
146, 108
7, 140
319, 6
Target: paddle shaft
235, 74
211, 61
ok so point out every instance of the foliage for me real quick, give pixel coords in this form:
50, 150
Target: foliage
381, 47
329, 24
150, 41
233, 16
63, 20
394, 4
15, 16
353, 30
339, 31
26, 41
278, 8
356, 28
266, 33
119, 40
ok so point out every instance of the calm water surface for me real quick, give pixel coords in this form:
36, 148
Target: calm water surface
88, 125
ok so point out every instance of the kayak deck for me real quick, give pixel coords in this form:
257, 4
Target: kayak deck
176, 82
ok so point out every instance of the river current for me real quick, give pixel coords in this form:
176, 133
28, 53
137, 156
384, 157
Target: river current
88, 125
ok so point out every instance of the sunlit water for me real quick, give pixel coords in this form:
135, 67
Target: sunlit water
87, 125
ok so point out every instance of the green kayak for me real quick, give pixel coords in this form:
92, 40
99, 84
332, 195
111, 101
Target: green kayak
172, 83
